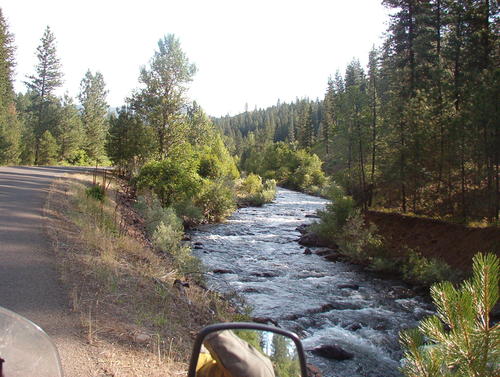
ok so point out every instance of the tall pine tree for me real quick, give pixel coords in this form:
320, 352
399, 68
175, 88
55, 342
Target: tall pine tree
92, 97
10, 131
68, 132
42, 85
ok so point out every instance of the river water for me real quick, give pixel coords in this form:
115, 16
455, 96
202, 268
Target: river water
256, 254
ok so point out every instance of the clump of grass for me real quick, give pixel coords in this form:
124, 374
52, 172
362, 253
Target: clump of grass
96, 191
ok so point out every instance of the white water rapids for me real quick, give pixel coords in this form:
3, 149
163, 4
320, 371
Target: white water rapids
256, 255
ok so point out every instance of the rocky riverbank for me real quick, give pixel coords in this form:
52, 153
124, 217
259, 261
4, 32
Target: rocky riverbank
449, 245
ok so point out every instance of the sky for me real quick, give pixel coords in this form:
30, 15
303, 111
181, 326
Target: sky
248, 53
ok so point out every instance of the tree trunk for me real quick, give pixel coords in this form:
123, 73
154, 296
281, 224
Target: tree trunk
456, 82
361, 164
497, 177
403, 167
374, 131
411, 51
462, 178
440, 97
327, 137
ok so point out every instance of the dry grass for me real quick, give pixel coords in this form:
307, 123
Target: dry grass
134, 318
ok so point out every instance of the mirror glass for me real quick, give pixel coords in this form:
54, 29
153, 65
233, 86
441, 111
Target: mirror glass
25, 348
251, 353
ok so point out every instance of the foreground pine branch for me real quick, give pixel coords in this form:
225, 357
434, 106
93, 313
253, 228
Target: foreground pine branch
460, 340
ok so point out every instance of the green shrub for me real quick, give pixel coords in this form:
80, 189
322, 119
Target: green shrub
188, 212
167, 237
172, 180
270, 185
313, 190
306, 171
166, 232
253, 192
79, 157
323, 190
342, 223
384, 264
216, 200
282, 174
421, 270
459, 341
269, 174
210, 167
154, 214
187, 263
251, 185
96, 192
289, 166
336, 214
357, 240
266, 195
198, 185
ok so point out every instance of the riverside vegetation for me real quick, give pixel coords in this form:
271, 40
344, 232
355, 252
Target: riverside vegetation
129, 292
342, 224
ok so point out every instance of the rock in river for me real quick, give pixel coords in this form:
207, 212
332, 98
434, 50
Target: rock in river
348, 286
222, 271
311, 239
329, 254
313, 371
323, 252
302, 229
332, 351
265, 320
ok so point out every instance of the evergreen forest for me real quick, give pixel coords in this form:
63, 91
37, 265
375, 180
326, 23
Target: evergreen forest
416, 130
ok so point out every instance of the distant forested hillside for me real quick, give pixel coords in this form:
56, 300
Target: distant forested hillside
282, 122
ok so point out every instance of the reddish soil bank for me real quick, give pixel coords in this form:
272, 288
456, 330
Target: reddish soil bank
455, 244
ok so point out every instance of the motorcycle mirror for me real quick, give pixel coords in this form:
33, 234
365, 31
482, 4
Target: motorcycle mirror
25, 349
246, 349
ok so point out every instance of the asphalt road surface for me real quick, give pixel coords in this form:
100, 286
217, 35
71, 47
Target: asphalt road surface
29, 283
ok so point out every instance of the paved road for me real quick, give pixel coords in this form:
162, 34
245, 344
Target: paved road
29, 282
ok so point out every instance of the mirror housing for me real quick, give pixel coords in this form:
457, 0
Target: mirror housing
224, 343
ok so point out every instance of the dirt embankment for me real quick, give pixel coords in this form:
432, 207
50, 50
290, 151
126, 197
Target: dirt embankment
453, 243
136, 315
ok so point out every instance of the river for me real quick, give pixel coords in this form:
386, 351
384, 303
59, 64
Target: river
256, 254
